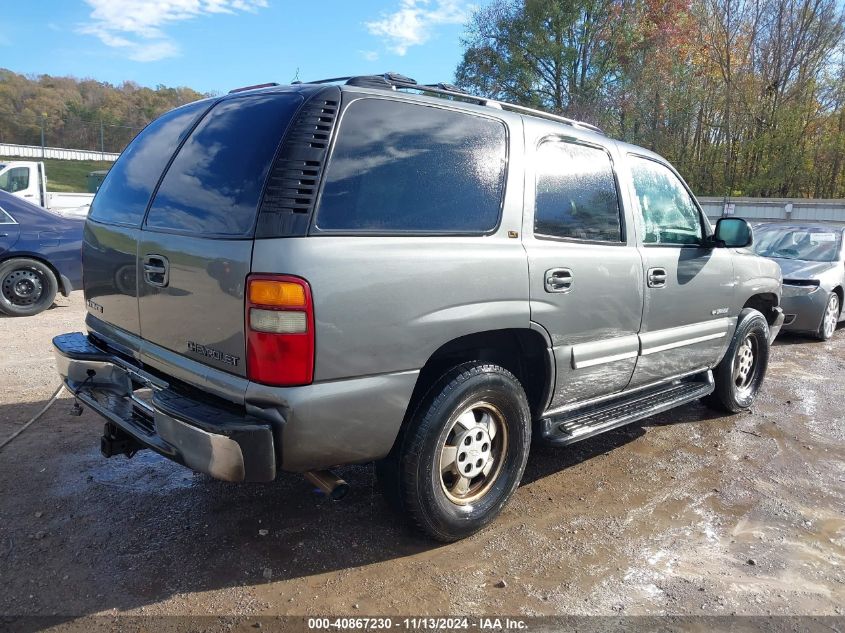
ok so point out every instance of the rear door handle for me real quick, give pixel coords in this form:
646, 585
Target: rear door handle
156, 270
558, 280
656, 277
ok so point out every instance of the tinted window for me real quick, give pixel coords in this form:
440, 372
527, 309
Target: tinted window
5, 218
576, 193
16, 179
667, 212
215, 181
126, 190
404, 167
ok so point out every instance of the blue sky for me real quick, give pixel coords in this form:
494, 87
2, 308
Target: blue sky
216, 45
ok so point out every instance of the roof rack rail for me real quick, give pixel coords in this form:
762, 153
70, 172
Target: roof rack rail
255, 87
548, 115
395, 81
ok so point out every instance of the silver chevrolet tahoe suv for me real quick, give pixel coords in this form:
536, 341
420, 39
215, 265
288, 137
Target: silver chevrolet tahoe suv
293, 278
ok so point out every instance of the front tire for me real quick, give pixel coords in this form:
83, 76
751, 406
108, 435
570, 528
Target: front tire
463, 452
830, 318
740, 374
27, 287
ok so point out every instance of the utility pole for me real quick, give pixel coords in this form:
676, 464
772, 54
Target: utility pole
43, 122
102, 151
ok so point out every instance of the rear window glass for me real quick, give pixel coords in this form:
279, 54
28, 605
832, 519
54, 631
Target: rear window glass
216, 179
126, 190
400, 167
576, 194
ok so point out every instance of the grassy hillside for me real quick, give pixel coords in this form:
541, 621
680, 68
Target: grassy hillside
67, 175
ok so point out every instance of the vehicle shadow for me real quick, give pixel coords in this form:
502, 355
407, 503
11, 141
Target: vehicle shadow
53, 306
546, 460
80, 534
795, 338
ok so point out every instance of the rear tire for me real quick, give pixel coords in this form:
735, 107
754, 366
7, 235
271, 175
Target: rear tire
27, 287
740, 374
463, 452
830, 318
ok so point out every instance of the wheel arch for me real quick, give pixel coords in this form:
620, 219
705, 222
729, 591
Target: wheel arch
525, 352
841, 294
764, 303
60, 279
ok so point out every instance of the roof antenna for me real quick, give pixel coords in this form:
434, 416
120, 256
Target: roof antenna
296, 79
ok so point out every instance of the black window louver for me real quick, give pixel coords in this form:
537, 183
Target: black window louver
291, 190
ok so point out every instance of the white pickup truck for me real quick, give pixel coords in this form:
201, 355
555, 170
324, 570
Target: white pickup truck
28, 180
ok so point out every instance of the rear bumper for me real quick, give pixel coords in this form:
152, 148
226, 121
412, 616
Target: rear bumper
204, 435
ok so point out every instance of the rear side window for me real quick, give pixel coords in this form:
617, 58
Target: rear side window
5, 218
126, 190
400, 167
576, 193
215, 182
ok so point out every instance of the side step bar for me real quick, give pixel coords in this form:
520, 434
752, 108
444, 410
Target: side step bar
580, 424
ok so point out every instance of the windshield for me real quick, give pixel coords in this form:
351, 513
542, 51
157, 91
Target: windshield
817, 244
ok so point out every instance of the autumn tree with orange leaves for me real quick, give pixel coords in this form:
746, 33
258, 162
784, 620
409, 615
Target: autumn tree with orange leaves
745, 97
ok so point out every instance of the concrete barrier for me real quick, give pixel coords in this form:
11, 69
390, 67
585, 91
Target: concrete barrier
34, 152
772, 209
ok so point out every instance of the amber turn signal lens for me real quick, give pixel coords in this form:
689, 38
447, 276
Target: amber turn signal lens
282, 294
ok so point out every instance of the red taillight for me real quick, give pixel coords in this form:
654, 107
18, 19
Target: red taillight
280, 330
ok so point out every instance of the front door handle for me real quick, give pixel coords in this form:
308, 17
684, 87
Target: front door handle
558, 280
656, 277
156, 270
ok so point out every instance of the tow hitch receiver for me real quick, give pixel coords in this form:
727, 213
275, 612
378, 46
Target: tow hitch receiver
115, 441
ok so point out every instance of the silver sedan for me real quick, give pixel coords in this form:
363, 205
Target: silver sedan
812, 260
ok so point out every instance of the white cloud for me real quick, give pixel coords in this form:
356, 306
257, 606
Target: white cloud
413, 22
370, 56
137, 26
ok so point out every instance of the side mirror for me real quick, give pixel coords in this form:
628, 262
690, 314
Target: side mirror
733, 233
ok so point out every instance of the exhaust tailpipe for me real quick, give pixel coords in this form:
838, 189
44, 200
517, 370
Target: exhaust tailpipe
328, 482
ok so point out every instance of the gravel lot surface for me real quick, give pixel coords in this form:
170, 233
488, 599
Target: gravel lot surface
685, 513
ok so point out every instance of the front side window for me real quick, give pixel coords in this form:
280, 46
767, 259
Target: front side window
576, 194
406, 168
124, 194
667, 212
14, 180
214, 184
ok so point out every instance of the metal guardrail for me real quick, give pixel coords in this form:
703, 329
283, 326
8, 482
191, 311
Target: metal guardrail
771, 209
37, 152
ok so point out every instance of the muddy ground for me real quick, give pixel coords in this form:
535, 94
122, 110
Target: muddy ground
685, 513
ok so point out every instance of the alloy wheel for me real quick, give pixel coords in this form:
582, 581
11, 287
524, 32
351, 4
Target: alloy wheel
744, 363
831, 316
471, 457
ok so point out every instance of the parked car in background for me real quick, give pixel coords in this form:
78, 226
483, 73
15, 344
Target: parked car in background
40, 255
314, 275
28, 180
812, 259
